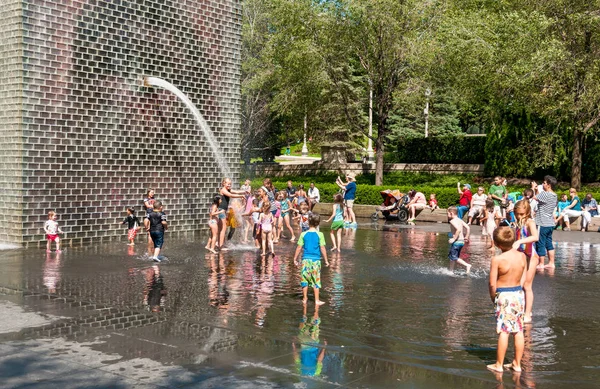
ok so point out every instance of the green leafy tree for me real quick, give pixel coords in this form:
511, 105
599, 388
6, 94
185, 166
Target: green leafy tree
533, 58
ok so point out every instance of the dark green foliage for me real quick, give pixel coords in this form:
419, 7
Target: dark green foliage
446, 149
443, 185
524, 145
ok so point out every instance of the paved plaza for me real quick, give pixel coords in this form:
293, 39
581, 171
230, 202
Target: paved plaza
396, 316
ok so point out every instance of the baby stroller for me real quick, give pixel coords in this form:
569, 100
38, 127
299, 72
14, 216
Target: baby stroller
393, 207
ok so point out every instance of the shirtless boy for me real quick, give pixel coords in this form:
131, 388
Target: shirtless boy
459, 237
507, 273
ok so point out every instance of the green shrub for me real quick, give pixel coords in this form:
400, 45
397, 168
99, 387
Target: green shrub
444, 187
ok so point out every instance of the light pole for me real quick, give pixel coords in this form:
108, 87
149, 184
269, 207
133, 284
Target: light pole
304, 147
426, 112
370, 158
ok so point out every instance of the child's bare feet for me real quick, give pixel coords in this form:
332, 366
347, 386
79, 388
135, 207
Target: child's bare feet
495, 367
513, 367
550, 266
333, 248
212, 251
293, 239
338, 250
60, 251
207, 247
304, 302
263, 254
319, 302
469, 268
48, 251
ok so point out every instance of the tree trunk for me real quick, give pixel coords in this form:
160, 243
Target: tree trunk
380, 146
577, 159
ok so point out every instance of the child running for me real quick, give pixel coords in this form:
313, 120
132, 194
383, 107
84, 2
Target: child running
213, 215
526, 236
506, 275
52, 230
459, 237
337, 214
156, 225
312, 243
266, 226
133, 225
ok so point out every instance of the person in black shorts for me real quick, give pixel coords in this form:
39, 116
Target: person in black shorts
156, 224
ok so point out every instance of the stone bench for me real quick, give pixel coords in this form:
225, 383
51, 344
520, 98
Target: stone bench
437, 216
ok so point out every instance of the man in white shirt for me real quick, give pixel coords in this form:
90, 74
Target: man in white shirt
313, 195
477, 204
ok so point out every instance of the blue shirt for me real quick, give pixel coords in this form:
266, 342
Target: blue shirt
312, 242
577, 206
350, 191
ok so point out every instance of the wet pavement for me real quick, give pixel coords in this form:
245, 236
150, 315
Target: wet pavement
396, 316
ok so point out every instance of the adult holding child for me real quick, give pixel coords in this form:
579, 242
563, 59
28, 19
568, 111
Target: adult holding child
226, 195
349, 188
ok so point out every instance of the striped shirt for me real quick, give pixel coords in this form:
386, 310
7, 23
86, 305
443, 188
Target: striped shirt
547, 201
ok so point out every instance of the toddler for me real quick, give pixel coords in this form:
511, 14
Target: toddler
52, 230
133, 225
433, 204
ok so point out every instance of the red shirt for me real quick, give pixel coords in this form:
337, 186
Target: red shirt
465, 198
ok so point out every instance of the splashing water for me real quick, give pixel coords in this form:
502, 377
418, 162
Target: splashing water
159, 82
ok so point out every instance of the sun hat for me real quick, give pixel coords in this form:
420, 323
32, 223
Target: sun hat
350, 176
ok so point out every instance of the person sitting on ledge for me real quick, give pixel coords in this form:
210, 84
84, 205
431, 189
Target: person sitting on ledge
417, 202
464, 203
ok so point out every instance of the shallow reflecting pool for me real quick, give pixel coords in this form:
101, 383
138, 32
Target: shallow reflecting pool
395, 314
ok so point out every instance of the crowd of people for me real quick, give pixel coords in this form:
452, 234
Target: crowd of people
521, 225
497, 207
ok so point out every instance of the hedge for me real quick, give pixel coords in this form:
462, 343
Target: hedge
444, 149
370, 194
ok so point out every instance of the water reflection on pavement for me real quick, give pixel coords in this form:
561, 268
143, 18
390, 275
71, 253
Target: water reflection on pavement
396, 315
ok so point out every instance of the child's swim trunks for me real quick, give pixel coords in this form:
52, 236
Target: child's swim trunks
51, 237
311, 273
510, 309
455, 249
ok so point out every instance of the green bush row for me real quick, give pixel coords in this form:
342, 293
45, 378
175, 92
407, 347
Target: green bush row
370, 194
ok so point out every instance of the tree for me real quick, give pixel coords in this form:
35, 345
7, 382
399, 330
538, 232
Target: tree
540, 59
381, 36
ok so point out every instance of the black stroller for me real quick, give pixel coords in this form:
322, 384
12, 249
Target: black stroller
393, 207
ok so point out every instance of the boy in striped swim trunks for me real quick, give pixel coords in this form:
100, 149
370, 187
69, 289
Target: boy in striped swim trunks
313, 244
506, 273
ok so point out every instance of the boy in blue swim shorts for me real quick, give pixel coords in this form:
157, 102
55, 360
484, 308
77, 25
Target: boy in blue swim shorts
313, 244
459, 231
506, 275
